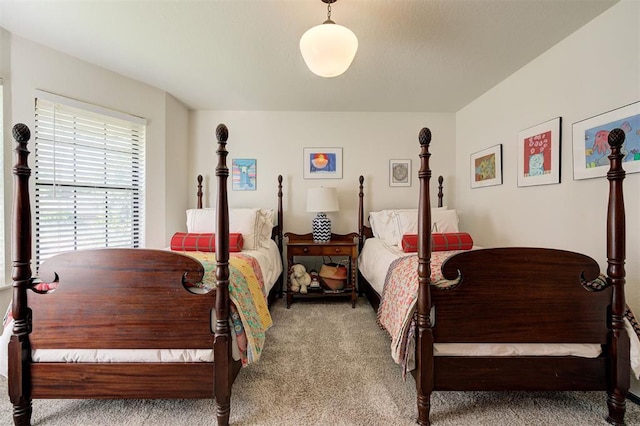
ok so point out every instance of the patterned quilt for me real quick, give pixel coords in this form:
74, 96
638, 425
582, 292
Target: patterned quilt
249, 311
400, 297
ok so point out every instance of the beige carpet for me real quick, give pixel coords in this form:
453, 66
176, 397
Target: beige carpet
328, 364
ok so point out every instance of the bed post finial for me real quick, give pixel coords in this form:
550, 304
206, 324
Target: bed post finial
616, 137
20, 345
199, 193
619, 340
222, 342
425, 136
222, 133
21, 133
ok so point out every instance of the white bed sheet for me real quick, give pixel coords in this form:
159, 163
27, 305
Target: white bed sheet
271, 266
373, 263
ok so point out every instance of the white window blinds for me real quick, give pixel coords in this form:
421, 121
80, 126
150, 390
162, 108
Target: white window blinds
89, 177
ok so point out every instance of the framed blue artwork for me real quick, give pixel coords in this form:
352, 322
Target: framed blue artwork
243, 174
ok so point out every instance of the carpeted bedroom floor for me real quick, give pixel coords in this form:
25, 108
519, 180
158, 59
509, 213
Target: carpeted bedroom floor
328, 364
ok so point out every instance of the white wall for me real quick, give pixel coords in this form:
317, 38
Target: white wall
36, 67
5, 174
594, 70
26, 66
276, 140
176, 178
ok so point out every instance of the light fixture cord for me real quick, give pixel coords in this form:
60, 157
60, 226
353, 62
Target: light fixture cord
329, 11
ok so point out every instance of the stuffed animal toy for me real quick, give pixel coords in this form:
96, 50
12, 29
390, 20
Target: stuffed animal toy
299, 278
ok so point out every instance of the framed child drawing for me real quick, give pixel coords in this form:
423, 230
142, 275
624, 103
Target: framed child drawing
243, 174
486, 167
591, 146
539, 153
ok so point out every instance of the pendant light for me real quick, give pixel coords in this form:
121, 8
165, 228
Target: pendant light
328, 49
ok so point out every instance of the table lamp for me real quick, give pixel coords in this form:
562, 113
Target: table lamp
322, 200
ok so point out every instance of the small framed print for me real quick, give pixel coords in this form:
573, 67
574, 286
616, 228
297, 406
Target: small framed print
539, 153
322, 163
243, 174
399, 172
486, 167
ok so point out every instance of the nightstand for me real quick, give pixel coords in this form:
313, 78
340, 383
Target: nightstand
340, 245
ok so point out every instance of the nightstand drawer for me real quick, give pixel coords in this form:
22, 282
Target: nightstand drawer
320, 250
344, 251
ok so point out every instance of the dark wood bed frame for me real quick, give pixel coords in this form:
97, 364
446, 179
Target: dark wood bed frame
119, 299
523, 295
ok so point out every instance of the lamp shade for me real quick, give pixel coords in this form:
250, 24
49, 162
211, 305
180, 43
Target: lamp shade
328, 49
322, 200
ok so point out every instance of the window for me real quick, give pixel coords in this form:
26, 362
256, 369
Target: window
89, 177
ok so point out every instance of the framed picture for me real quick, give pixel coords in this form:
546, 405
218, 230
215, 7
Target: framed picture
243, 174
539, 153
399, 172
486, 167
591, 144
322, 163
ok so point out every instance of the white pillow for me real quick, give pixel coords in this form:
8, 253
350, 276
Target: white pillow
391, 225
384, 225
442, 221
254, 224
266, 223
201, 220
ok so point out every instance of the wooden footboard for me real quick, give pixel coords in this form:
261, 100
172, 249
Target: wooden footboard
118, 299
524, 295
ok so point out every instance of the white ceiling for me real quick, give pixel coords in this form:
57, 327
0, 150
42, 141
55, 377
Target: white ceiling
414, 55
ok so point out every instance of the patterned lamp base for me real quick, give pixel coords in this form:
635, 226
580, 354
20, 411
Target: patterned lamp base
321, 228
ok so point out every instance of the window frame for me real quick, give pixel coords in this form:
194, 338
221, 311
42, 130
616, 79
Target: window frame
89, 177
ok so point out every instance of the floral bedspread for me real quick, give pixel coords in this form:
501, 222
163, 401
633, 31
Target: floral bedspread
400, 297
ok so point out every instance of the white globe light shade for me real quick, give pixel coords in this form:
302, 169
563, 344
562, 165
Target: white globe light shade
328, 49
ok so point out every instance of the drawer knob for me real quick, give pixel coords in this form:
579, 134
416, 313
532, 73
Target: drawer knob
337, 250
306, 249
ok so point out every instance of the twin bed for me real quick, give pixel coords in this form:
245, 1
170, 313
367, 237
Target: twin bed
137, 302
541, 304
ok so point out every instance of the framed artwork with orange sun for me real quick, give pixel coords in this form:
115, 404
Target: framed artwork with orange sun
322, 163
